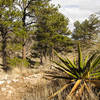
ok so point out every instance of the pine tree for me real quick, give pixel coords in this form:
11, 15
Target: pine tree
27, 19
50, 25
7, 19
87, 30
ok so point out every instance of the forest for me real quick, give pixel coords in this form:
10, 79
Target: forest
35, 35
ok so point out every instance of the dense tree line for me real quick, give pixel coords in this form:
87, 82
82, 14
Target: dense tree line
36, 28
22, 21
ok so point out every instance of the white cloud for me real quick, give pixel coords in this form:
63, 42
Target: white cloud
77, 9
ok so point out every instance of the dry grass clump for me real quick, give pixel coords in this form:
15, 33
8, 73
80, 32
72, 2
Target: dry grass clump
43, 91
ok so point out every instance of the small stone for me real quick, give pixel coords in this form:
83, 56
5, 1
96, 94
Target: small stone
1, 82
8, 81
3, 89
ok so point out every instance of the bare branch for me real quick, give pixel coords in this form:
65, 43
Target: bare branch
29, 23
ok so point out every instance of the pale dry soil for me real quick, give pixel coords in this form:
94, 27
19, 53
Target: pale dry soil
21, 86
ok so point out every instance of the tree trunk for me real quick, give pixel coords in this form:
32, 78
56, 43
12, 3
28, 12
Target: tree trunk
51, 54
4, 53
41, 58
23, 52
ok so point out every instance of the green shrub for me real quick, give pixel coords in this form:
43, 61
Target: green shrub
18, 62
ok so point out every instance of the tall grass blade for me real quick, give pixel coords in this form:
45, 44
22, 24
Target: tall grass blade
90, 92
81, 90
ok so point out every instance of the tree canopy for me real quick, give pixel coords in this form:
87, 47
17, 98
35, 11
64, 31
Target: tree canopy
51, 29
88, 29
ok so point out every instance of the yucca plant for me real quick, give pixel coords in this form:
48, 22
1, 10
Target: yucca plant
79, 73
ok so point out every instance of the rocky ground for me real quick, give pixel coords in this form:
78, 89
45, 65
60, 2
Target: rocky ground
30, 84
14, 88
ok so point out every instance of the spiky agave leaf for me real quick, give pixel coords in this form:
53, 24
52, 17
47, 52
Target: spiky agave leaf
80, 59
74, 68
69, 64
95, 75
95, 63
86, 59
75, 87
88, 65
74, 61
66, 62
81, 71
60, 77
65, 69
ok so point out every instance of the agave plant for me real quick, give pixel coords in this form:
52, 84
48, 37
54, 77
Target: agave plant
80, 72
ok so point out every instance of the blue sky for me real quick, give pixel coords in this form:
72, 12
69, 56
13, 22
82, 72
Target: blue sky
77, 9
